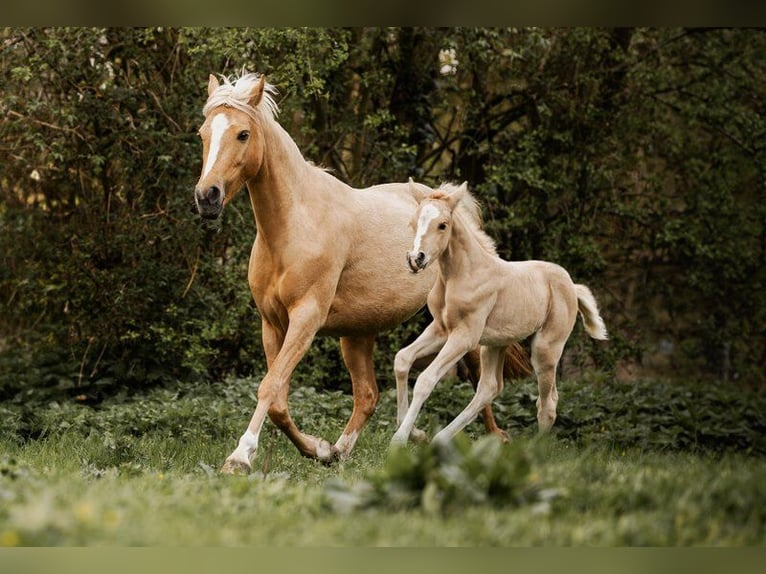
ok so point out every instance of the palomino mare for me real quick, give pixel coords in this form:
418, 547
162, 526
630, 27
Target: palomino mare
480, 299
326, 259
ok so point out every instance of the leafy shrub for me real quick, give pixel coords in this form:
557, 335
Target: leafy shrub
443, 478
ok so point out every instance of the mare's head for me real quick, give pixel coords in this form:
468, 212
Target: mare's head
432, 223
232, 139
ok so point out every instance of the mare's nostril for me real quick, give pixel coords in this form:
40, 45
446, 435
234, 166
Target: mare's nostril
420, 259
213, 194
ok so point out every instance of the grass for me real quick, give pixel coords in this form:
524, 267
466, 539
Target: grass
622, 467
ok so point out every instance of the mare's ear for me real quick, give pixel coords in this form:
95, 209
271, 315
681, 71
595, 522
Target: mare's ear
418, 190
212, 85
454, 198
254, 98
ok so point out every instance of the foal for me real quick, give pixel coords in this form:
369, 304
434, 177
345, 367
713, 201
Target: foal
480, 299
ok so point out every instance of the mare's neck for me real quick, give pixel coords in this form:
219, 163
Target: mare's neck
280, 186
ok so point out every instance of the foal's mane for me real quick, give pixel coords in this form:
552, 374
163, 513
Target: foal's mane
468, 213
235, 93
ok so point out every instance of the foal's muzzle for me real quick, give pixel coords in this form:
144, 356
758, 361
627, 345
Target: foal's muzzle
416, 261
209, 201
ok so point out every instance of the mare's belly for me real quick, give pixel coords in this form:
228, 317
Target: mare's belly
370, 302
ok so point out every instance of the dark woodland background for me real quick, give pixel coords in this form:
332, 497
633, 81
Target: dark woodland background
636, 158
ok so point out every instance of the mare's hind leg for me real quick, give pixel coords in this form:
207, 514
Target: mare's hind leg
546, 352
357, 355
489, 386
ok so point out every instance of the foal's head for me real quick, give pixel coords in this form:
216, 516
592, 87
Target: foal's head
433, 224
232, 141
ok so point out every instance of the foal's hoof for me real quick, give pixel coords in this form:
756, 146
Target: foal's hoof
418, 436
396, 444
235, 467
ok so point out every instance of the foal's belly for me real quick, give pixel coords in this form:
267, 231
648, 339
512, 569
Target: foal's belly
501, 337
510, 323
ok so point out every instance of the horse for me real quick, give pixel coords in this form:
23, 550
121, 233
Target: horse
325, 260
481, 299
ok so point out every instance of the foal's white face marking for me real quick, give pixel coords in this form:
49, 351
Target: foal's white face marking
218, 127
427, 215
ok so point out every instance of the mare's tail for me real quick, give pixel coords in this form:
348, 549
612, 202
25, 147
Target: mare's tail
586, 304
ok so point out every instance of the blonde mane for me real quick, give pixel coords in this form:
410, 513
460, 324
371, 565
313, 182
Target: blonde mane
468, 213
235, 93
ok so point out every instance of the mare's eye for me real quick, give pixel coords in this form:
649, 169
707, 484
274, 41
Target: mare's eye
243, 135
442, 226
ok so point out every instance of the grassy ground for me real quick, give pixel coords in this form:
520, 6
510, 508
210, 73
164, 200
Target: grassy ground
620, 469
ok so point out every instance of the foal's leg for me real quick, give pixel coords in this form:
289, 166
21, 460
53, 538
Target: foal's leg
546, 352
357, 355
429, 342
458, 344
489, 386
473, 370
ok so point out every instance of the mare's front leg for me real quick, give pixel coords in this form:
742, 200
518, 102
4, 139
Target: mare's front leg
430, 341
304, 321
240, 460
458, 343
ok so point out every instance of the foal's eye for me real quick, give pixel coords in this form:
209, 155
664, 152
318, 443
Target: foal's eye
442, 226
243, 135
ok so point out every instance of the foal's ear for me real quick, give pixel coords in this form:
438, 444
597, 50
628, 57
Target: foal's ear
418, 190
454, 198
212, 85
254, 98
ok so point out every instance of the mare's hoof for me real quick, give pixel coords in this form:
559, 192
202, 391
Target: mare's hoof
235, 467
322, 450
501, 434
327, 453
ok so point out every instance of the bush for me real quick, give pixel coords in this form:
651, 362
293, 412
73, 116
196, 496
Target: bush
639, 168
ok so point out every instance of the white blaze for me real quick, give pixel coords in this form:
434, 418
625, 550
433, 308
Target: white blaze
427, 214
218, 127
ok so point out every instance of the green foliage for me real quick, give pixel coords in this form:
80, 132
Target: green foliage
142, 471
109, 274
445, 478
661, 414
650, 414
633, 157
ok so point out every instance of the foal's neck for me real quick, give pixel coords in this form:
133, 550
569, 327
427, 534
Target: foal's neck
463, 253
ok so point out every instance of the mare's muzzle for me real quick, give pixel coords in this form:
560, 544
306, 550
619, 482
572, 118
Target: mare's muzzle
416, 261
209, 201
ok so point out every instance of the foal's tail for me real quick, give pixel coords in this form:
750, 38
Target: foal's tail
586, 304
